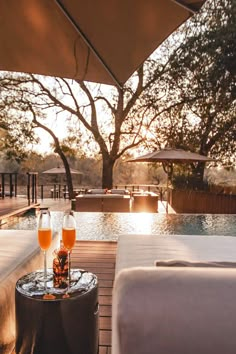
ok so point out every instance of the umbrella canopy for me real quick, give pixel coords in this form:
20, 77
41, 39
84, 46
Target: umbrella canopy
101, 41
171, 156
61, 170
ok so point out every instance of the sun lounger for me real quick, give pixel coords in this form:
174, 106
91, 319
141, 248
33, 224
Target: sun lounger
103, 203
120, 191
96, 191
145, 202
176, 307
89, 202
116, 203
19, 254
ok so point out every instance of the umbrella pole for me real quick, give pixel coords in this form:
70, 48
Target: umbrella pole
167, 168
169, 171
167, 193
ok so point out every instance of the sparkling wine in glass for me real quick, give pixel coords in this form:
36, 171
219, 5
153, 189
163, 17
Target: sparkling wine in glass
44, 240
68, 238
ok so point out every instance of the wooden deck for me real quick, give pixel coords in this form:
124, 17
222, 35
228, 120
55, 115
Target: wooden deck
10, 206
99, 257
15, 205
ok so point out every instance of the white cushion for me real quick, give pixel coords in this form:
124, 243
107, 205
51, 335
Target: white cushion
96, 191
179, 310
181, 263
119, 191
144, 250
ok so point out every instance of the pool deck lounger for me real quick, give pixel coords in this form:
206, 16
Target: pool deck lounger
178, 307
19, 254
103, 203
144, 250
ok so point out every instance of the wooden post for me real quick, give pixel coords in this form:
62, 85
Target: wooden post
36, 187
3, 185
28, 188
33, 188
10, 185
54, 191
64, 191
41, 187
15, 183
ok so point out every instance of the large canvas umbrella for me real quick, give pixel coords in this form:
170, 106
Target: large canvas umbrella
102, 41
169, 156
61, 170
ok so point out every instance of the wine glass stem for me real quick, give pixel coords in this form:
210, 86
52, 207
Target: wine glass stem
68, 270
45, 271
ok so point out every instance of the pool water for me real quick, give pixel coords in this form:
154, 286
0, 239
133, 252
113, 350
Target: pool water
108, 226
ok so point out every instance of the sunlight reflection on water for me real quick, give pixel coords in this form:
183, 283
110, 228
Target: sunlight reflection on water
108, 226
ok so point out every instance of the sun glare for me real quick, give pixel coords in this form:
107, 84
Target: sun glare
142, 222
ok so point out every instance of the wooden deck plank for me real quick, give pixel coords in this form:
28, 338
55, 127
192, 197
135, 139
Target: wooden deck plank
104, 322
87, 251
83, 257
87, 265
105, 300
102, 270
105, 310
103, 350
105, 338
99, 258
105, 291
105, 276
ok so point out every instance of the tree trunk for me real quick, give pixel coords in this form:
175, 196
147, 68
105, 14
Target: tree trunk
69, 179
60, 152
68, 173
107, 172
198, 174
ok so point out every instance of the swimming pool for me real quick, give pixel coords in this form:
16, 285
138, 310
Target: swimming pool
108, 226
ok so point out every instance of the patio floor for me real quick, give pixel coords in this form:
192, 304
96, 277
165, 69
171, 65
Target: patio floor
99, 257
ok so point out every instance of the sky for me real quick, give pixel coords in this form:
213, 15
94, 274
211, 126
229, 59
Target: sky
58, 127
58, 123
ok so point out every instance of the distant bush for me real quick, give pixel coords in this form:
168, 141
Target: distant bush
189, 182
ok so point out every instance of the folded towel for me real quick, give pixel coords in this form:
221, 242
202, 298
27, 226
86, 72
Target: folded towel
181, 263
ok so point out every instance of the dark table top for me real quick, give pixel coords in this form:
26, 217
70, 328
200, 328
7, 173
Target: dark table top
32, 284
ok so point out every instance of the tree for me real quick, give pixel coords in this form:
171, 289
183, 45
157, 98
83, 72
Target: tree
203, 75
58, 149
113, 118
17, 132
19, 118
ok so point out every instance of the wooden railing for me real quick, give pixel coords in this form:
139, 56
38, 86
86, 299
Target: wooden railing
137, 187
197, 202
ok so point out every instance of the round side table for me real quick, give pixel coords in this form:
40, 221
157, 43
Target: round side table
62, 325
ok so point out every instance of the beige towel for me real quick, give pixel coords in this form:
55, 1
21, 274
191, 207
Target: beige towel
181, 263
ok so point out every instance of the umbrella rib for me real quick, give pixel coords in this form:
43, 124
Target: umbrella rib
86, 40
185, 6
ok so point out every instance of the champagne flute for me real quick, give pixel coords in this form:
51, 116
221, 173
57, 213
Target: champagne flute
44, 240
68, 238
